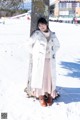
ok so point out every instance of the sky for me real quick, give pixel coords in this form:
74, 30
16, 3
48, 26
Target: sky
31, 0
14, 59
28, 3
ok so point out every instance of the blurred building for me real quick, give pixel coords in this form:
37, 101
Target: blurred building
67, 8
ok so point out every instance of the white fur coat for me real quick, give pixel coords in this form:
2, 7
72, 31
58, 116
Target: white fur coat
37, 47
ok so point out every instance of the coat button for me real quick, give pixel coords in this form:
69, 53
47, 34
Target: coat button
53, 56
52, 47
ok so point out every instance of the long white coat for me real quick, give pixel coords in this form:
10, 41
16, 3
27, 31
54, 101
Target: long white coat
37, 44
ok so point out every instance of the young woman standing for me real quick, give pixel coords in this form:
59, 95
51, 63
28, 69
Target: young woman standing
44, 45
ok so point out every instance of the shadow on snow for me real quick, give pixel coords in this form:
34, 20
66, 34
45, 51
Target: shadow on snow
68, 95
73, 68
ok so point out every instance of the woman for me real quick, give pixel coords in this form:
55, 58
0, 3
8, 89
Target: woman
44, 44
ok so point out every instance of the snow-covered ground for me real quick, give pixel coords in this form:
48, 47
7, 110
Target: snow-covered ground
13, 73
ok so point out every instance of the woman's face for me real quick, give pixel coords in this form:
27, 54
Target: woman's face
42, 27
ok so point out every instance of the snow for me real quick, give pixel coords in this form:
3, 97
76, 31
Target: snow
14, 34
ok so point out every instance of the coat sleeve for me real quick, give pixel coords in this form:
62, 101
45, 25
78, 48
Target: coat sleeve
56, 44
31, 42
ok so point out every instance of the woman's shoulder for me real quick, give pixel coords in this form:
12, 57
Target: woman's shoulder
53, 33
36, 32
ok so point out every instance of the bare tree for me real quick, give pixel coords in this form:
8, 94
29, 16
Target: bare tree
10, 4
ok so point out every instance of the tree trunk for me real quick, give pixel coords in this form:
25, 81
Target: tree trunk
40, 8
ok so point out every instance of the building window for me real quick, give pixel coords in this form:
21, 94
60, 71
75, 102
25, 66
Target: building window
62, 5
69, 5
73, 4
78, 4
71, 12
